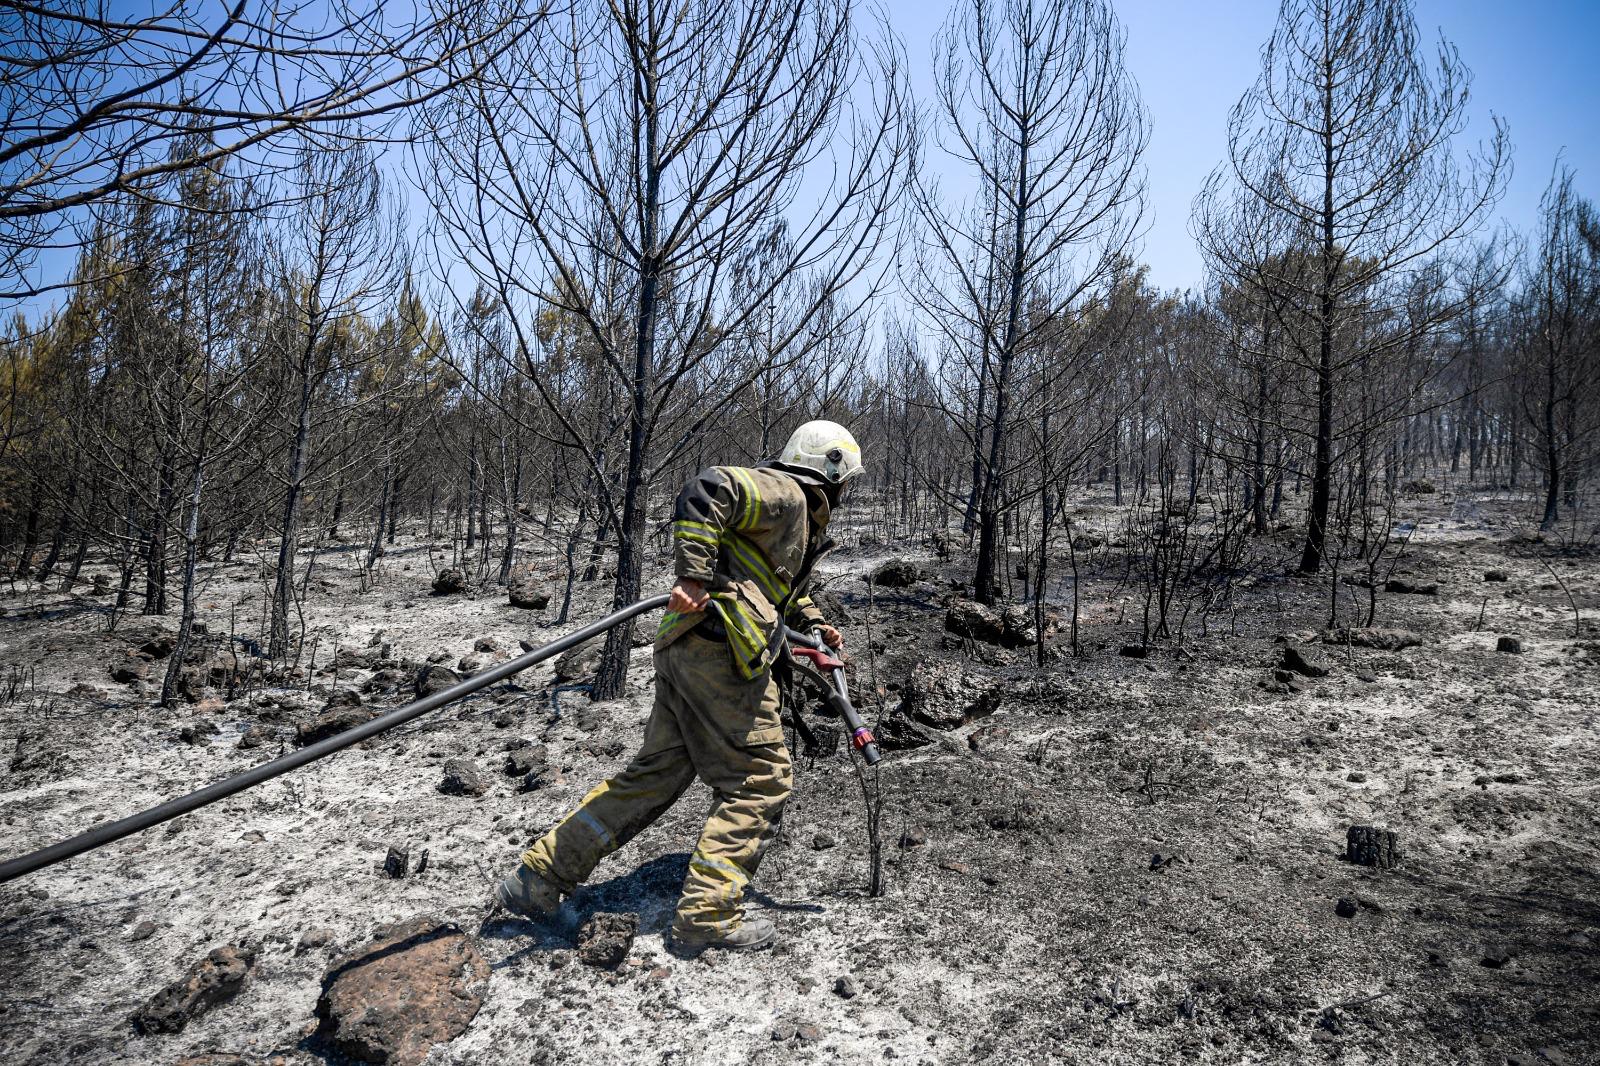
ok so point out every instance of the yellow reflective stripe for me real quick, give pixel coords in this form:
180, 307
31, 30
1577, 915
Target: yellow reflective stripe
668, 620
750, 556
846, 445
699, 538
708, 865
600, 831
689, 525
752, 498
742, 633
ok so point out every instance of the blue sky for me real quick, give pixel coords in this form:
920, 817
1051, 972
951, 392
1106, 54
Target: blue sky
1533, 64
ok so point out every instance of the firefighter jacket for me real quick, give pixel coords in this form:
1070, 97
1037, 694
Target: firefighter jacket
751, 538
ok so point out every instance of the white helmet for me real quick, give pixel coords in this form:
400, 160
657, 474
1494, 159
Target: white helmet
826, 447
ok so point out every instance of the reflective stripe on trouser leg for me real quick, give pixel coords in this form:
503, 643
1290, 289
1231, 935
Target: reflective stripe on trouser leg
743, 820
609, 816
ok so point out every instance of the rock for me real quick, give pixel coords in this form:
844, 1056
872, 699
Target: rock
451, 579
534, 780
897, 732
417, 985
488, 645
432, 680
1345, 907
524, 757
215, 979
606, 938
198, 731
1085, 542
1018, 630
1409, 587
130, 670
1421, 487
1304, 661
143, 931
1135, 651
159, 646
785, 1031
823, 841
580, 663
1356, 777
845, 988
253, 737
988, 737
1495, 957
1509, 644
1373, 637
968, 618
397, 863
528, 591
808, 1032
332, 723
471, 664
831, 606
944, 696
1496, 575
1369, 846
895, 574
312, 939
461, 778
343, 697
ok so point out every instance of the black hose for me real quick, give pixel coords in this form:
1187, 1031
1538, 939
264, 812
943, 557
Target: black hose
105, 834
837, 695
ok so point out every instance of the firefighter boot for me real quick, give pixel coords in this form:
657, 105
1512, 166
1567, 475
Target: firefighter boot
525, 893
753, 934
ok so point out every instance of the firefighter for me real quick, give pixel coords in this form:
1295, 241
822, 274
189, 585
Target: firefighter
745, 540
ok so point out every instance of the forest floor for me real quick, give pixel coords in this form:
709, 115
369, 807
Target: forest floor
1129, 861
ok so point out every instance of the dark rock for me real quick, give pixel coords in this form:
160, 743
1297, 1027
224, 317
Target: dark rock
198, 731
1369, 846
432, 680
831, 606
343, 697
529, 591
417, 985
1018, 629
1356, 777
451, 579
605, 939
1374, 637
397, 863
1421, 487
253, 737
968, 618
524, 757
988, 737
130, 670
1496, 575
215, 979
895, 731
1135, 651
332, 723
1409, 587
845, 988
895, 574
944, 696
1495, 957
823, 841
1304, 661
159, 646
915, 837
143, 931
1345, 907
808, 1032
1509, 644
461, 778
533, 781
580, 663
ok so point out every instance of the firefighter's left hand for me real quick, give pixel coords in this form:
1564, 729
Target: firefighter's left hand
832, 637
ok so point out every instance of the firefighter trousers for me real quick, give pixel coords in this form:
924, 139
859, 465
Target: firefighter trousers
708, 723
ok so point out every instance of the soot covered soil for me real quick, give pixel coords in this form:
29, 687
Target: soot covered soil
1128, 861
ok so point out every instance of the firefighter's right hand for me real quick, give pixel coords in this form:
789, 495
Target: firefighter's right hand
688, 596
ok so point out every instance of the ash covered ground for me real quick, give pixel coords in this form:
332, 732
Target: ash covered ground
1106, 860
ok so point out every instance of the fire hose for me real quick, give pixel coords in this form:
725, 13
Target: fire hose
811, 647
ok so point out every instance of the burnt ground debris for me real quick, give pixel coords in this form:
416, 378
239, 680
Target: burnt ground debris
1121, 860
